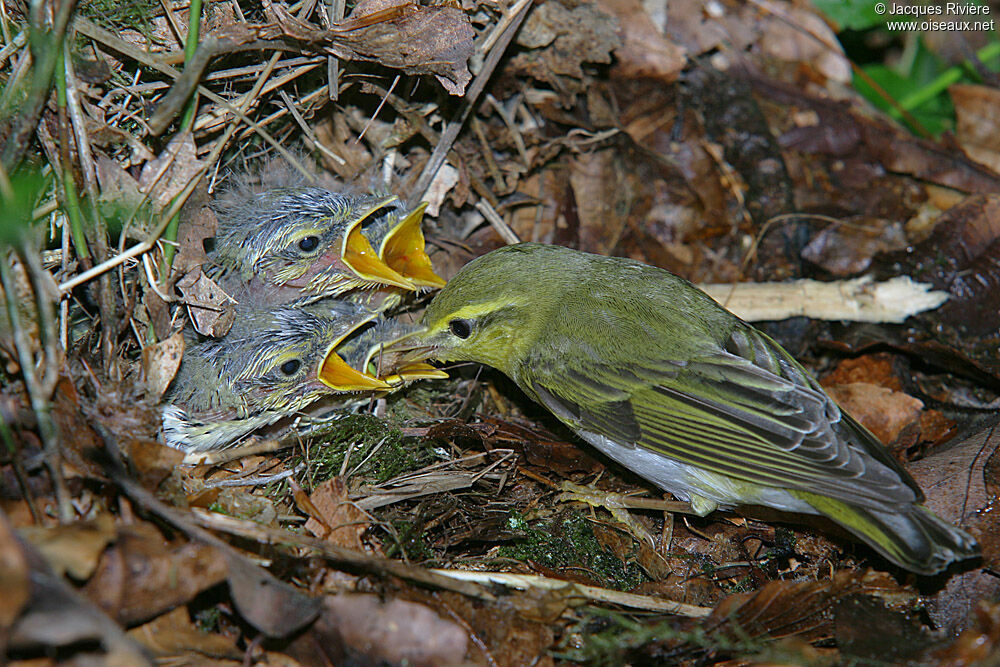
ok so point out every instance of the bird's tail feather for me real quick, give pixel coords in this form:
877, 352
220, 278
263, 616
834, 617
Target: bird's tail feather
913, 537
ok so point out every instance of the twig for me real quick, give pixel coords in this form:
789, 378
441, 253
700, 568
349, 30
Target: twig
594, 593
45, 52
502, 228
495, 44
856, 300
254, 481
121, 46
283, 538
335, 13
39, 398
307, 131
377, 110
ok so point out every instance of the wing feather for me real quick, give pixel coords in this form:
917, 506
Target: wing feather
758, 418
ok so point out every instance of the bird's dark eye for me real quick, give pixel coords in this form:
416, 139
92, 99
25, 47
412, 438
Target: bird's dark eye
309, 243
461, 328
290, 367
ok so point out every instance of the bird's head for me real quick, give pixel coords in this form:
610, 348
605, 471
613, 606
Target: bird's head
493, 309
268, 366
306, 238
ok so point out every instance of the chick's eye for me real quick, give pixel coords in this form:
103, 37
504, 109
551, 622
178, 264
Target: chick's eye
291, 366
309, 243
461, 328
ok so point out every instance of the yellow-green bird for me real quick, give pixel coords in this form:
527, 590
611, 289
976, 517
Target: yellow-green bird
656, 375
301, 243
266, 368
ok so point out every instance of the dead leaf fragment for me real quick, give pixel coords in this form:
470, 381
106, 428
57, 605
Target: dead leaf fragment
143, 575
976, 122
14, 577
210, 308
275, 608
562, 37
73, 548
340, 521
955, 481
362, 629
160, 362
163, 179
173, 635
882, 411
644, 51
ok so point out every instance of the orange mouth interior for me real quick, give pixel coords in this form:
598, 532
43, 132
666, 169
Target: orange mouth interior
335, 373
403, 250
364, 261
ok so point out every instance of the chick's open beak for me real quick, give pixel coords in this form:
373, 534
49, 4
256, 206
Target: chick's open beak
337, 374
364, 261
403, 250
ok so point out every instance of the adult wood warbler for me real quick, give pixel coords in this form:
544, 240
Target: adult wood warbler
656, 375
306, 242
272, 364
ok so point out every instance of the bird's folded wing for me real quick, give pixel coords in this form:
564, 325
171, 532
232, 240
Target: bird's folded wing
728, 415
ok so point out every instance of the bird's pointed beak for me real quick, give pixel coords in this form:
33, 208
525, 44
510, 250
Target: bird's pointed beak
410, 357
417, 370
404, 250
337, 374
364, 261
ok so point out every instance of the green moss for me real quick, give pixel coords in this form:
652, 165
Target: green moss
409, 541
610, 638
379, 448
208, 620
567, 541
122, 15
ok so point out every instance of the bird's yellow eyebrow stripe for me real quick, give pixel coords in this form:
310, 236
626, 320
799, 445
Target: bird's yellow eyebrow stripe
476, 310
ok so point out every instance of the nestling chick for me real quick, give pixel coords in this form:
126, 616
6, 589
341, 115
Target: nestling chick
266, 368
656, 375
306, 242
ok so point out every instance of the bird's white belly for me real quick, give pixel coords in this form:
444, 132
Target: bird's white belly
702, 488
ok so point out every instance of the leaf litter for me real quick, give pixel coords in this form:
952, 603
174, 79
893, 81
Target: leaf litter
454, 522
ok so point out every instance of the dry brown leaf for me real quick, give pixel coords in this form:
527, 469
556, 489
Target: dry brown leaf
196, 226
602, 200
14, 577
143, 575
563, 36
848, 250
955, 481
160, 362
340, 521
163, 179
174, 636
73, 548
882, 411
210, 308
782, 608
644, 51
977, 126
799, 35
272, 606
362, 629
